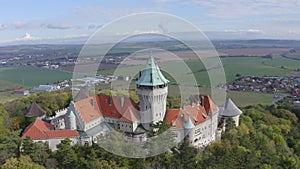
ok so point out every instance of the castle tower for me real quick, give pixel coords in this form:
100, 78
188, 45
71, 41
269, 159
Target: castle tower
230, 110
152, 89
72, 121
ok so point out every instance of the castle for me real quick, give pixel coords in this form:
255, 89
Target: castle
90, 117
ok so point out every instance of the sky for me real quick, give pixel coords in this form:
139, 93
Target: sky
65, 21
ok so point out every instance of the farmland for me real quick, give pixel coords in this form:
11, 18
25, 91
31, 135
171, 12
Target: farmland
31, 76
256, 66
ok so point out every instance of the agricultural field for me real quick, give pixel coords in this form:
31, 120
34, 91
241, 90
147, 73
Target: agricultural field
240, 98
256, 66
31, 76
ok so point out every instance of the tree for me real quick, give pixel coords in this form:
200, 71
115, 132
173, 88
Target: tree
39, 152
185, 156
9, 145
65, 155
105, 164
230, 124
24, 162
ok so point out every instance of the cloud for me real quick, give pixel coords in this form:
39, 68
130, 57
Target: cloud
58, 26
27, 37
107, 14
244, 31
138, 32
255, 31
94, 26
20, 24
229, 9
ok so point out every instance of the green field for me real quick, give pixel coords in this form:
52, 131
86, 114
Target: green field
31, 76
240, 98
255, 66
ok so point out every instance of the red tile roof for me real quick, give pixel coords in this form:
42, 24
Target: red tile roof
88, 109
19, 90
196, 112
119, 107
209, 105
43, 130
131, 115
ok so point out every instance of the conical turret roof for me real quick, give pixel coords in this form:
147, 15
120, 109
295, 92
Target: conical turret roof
230, 109
71, 114
189, 124
151, 75
35, 110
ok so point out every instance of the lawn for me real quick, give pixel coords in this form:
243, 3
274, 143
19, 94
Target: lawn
31, 76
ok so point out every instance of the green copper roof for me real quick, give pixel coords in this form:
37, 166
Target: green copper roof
71, 114
151, 75
189, 124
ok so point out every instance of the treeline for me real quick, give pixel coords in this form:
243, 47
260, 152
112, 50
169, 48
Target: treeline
12, 122
268, 137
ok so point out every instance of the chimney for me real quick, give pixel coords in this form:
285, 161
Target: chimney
151, 77
140, 74
110, 100
122, 101
93, 102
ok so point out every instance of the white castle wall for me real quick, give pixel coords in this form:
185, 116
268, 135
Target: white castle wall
52, 143
152, 104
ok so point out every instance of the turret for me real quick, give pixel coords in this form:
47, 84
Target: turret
152, 89
72, 121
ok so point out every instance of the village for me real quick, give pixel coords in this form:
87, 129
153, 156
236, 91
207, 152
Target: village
266, 84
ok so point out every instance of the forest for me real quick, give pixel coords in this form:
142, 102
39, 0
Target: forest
268, 137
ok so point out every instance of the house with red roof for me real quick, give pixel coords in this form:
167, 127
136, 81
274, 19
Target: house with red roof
21, 92
40, 130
